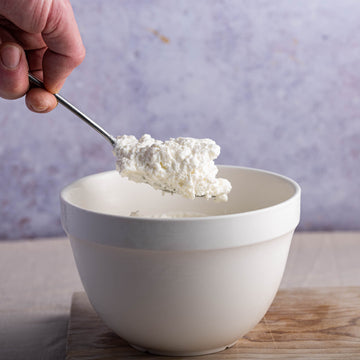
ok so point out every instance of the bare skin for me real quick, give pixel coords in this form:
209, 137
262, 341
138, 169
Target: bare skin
41, 37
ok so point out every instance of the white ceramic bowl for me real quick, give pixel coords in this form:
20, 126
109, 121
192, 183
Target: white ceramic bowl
181, 286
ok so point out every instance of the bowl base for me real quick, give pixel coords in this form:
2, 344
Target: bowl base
183, 353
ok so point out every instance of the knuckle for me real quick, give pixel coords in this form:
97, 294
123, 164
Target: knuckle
81, 55
78, 56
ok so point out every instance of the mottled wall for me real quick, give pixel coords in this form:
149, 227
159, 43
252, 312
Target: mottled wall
275, 83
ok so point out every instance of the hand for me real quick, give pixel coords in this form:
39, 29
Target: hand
41, 37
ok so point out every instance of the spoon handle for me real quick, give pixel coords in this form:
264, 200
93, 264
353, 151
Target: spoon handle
33, 80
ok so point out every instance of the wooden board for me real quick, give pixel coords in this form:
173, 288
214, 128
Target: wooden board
317, 323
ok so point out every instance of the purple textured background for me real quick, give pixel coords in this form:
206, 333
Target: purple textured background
276, 84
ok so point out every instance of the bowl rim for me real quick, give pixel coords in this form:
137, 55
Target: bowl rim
297, 193
174, 234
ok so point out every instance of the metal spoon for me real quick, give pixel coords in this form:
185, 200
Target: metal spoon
111, 139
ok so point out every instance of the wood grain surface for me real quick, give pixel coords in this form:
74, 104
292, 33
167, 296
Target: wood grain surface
314, 323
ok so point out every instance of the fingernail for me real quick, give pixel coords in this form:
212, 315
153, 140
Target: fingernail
39, 108
10, 56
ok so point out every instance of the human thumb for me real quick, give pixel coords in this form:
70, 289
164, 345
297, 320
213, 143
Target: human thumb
13, 71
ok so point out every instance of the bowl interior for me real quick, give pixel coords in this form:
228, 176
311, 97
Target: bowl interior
112, 194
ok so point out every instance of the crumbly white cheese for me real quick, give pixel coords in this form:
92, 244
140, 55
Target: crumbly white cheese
184, 165
169, 215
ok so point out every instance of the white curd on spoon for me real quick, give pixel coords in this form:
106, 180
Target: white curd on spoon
184, 165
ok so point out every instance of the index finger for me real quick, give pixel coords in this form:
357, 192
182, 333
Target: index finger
65, 47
